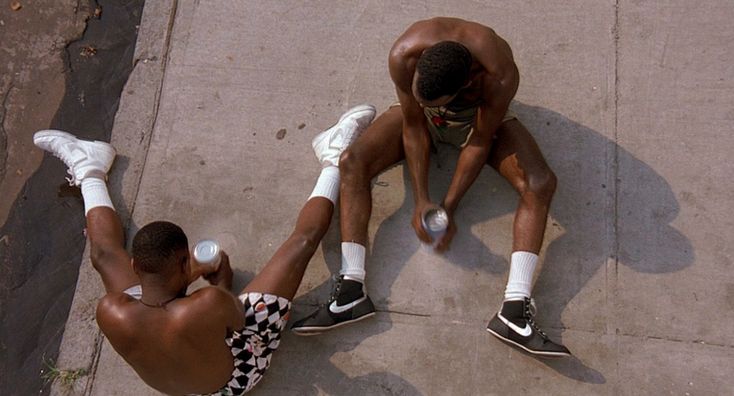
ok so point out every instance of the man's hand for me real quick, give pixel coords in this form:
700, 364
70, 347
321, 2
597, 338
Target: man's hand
223, 275
443, 244
196, 270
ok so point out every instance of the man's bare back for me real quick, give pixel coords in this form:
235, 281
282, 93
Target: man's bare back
493, 76
177, 348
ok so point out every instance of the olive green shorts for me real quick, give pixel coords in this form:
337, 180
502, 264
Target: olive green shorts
453, 127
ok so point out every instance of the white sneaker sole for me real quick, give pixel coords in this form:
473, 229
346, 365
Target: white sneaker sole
530, 351
309, 331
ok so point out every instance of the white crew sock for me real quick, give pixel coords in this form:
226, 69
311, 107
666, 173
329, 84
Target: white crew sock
327, 185
522, 268
353, 261
94, 191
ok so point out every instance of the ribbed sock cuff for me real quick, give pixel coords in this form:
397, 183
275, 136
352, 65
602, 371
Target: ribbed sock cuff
520, 282
353, 255
94, 191
327, 185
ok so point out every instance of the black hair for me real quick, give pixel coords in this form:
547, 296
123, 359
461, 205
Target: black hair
443, 69
154, 247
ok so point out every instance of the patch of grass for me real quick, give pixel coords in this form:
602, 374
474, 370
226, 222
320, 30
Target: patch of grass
66, 377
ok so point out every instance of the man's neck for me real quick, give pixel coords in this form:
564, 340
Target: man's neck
159, 295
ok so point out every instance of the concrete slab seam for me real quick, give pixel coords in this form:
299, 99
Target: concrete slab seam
615, 174
157, 93
164, 62
95, 362
94, 356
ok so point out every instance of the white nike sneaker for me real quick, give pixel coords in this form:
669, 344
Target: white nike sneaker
83, 157
329, 144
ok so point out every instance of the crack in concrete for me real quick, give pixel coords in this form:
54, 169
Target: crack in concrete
676, 340
92, 369
404, 313
67, 54
565, 328
389, 311
3, 133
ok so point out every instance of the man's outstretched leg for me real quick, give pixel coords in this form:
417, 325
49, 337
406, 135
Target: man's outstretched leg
378, 148
517, 157
282, 275
267, 299
89, 162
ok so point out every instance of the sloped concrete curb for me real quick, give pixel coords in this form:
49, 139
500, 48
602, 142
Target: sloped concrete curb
134, 123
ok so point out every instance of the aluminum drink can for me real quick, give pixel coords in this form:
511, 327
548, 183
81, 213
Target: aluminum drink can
435, 221
208, 252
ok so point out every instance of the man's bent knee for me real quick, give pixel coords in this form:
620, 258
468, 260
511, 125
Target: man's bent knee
305, 241
351, 164
542, 183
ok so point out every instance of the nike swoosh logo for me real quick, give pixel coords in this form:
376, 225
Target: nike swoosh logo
342, 308
525, 332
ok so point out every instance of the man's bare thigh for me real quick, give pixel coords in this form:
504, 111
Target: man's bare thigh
381, 145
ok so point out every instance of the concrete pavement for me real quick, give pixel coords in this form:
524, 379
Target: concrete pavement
629, 101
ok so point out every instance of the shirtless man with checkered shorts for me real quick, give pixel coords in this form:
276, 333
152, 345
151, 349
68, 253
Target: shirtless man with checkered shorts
210, 341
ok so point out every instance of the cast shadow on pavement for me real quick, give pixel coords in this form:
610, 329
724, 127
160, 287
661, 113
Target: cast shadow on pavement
599, 220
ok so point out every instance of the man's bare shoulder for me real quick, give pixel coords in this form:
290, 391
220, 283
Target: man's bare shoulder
114, 307
414, 40
482, 41
427, 32
404, 55
117, 308
211, 295
215, 301
116, 318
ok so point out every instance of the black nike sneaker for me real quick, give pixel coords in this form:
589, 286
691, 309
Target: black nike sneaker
514, 324
348, 303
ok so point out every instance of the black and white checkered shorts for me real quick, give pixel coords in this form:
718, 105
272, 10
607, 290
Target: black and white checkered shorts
253, 346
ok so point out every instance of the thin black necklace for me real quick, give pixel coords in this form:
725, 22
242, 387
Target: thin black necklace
159, 305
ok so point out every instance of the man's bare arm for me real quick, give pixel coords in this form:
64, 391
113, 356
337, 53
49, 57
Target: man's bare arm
416, 141
223, 304
417, 146
474, 155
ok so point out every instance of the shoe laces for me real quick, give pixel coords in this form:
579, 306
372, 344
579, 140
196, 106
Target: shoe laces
72, 180
530, 311
64, 156
335, 290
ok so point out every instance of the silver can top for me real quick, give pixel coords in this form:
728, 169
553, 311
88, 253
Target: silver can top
436, 220
206, 251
